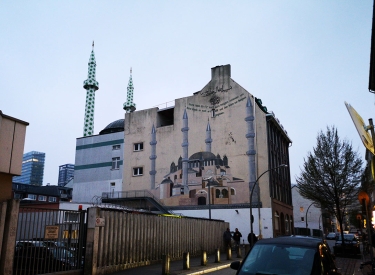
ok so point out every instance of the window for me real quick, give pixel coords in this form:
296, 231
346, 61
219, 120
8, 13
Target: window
116, 147
116, 163
138, 146
52, 199
277, 221
137, 171
32, 197
42, 198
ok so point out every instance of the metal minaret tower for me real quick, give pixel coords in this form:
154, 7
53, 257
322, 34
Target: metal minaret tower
91, 85
250, 135
185, 155
129, 105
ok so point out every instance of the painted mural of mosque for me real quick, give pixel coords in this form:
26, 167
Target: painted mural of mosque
206, 172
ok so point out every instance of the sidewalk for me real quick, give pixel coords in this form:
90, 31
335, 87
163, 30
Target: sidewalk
350, 266
176, 267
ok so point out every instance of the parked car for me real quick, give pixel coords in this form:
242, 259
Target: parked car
351, 245
295, 255
331, 236
25, 244
58, 244
34, 257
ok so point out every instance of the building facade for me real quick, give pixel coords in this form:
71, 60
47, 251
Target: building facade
12, 141
200, 153
99, 163
32, 169
66, 173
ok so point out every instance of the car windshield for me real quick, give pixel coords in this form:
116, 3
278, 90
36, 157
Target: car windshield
347, 237
278, 259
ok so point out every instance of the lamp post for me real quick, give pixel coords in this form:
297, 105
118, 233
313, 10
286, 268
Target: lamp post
306, 214
209, 179
251, 201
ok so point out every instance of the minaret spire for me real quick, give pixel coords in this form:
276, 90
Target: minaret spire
91, 85
129, 105
208, 139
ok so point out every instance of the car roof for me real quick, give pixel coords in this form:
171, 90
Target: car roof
292, 240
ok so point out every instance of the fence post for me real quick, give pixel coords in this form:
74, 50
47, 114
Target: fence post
239, 251
9, 240
204, 258
217, 255
165, 264
229, 253
186, 261
92, 241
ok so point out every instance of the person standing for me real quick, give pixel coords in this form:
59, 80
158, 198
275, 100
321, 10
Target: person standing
237, 237
227, 236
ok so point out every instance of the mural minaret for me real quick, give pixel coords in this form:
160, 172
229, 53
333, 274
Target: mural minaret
153, 156
91, 85
251, 148
129, 105
208, 139
185, 157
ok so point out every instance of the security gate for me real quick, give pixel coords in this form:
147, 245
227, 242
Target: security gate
49, 240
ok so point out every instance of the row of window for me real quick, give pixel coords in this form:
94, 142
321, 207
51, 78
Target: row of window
41, 198
36, 197
136, 147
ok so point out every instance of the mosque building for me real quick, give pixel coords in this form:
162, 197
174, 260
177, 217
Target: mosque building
201, 157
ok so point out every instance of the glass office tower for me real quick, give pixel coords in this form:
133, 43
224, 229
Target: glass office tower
32, 169
66, 173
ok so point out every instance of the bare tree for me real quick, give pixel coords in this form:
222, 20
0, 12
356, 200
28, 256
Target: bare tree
331, 175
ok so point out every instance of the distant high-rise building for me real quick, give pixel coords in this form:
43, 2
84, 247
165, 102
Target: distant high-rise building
66, 173
32, 169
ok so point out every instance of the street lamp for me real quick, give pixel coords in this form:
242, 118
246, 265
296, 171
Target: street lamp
251, 201
306, 216
209, 181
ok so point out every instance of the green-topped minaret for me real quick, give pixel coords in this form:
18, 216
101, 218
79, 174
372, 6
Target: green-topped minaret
91, 85
129, 105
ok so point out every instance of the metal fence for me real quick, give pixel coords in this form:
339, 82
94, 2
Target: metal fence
49, 240
133, 239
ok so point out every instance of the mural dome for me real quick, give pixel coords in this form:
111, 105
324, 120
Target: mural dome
202, 156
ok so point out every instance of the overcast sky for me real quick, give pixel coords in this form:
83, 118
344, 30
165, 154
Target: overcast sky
302, 58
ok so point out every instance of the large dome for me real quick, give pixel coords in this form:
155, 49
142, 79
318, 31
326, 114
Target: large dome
113, 127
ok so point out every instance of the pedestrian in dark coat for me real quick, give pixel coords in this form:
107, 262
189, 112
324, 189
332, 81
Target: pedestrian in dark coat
237, 237
227, 236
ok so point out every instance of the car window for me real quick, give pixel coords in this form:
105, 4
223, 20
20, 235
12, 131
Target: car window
278, 259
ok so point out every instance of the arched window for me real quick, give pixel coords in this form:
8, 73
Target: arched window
225, 161
277, 221
232, 191
217, 193
287, 224
225, 193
